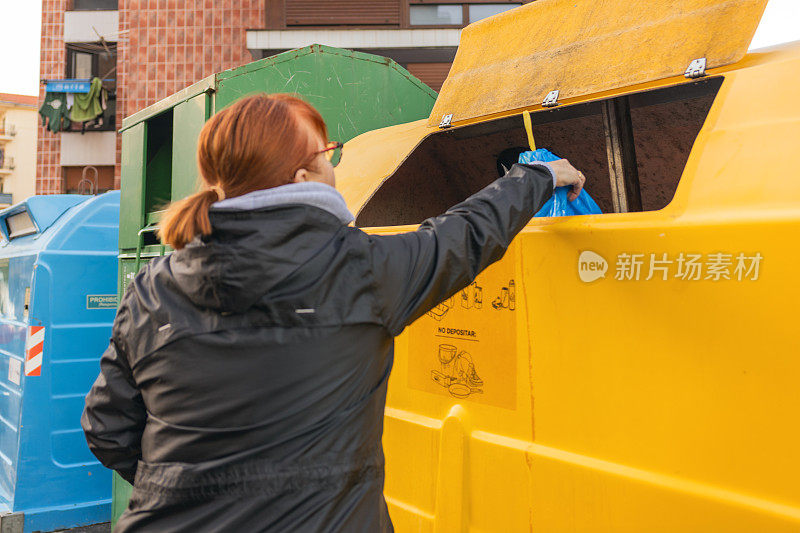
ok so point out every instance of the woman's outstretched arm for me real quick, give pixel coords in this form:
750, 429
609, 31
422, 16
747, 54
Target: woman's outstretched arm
415, 271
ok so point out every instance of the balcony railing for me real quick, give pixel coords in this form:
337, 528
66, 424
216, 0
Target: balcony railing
7, 165
5, 198
7, 131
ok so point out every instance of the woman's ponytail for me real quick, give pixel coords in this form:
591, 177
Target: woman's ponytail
256, 143
187, 218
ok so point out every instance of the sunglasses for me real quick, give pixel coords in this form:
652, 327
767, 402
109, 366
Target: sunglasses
332, 152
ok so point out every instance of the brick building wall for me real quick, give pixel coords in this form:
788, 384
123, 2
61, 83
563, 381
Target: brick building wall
163, 46
166, 45
53, 58
171, 44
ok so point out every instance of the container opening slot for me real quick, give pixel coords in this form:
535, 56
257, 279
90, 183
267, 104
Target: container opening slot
20, 224
158, 161
632, 149
150, 238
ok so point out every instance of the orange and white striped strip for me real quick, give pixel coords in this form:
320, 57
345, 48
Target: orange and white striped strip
33, 351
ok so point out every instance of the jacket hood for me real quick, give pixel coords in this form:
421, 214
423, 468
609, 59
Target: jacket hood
262, 244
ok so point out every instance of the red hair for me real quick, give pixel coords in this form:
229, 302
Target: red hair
257, 143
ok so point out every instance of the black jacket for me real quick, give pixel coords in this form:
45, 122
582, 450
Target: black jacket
245, 382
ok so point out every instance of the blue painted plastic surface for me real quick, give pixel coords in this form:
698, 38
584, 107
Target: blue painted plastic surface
46, 469
558, 205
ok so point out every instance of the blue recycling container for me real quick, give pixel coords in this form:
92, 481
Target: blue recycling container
58, 270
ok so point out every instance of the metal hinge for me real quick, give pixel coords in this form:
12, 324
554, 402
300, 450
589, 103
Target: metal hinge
446, 121
696, 69
551, 100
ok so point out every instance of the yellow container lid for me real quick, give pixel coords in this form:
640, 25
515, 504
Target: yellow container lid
514, 60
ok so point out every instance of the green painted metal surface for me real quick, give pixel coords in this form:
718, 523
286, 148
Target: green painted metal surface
206, 85
354, 92
189, 118
121, 491
131, 208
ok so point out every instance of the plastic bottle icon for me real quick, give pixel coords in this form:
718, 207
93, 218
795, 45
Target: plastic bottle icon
507, 298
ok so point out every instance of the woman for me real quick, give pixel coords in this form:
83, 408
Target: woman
245, 382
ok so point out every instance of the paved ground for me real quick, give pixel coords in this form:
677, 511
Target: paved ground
105, 527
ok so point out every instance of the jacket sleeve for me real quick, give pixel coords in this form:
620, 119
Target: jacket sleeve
114, 416
415, 271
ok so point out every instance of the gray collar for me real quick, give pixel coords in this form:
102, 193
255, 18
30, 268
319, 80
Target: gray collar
309, 193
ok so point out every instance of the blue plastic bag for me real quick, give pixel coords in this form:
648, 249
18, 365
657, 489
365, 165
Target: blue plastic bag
558, 205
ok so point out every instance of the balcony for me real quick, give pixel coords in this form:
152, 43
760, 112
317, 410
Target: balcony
7, 166
109, 118
7, 133
5, 199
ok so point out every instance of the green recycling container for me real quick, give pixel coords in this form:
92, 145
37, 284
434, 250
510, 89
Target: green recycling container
355, 93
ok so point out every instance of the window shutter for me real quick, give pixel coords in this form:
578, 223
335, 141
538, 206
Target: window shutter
341, 12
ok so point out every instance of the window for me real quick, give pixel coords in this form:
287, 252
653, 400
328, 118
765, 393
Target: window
94, 5
436, 15
448, 166
482, 11
82, 65
95, 60
90, 60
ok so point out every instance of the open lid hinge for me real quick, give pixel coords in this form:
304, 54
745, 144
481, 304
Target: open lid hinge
696, 69
446, 121
551, 100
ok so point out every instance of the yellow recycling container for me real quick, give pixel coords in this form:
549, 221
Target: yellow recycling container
633, 371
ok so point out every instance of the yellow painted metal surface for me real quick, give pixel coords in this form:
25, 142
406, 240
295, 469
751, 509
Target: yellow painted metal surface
602, 400
372, 157
454, 335
580, 48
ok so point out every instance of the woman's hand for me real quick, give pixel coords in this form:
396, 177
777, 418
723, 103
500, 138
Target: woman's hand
566, 175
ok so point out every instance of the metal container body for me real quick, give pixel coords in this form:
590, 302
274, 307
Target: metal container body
58, 301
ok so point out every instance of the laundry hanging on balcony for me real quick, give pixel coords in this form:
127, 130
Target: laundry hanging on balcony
54, 113
82, 102
89, 106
